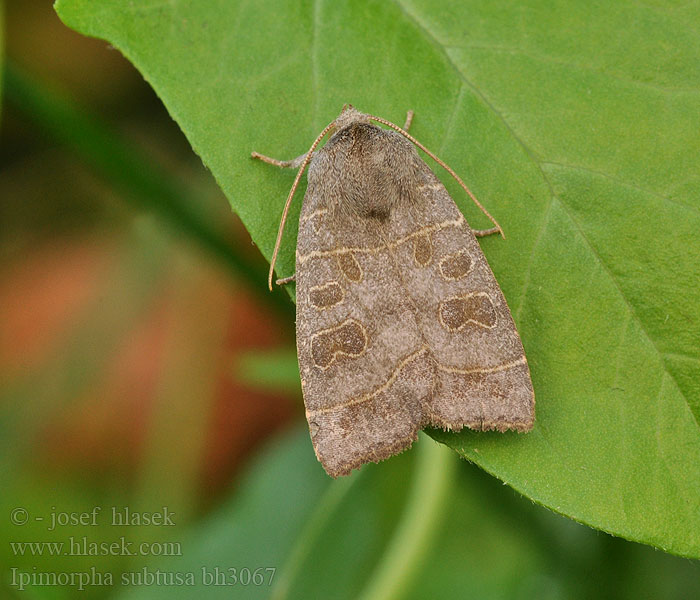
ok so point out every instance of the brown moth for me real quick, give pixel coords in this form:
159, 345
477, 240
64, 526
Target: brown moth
400, 321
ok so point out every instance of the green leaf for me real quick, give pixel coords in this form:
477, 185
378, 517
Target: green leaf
575, 124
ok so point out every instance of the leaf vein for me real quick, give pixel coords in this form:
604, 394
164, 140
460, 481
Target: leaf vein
622, 182
579, 66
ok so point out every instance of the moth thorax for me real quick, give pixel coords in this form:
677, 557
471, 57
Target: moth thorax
365, 172
368, 192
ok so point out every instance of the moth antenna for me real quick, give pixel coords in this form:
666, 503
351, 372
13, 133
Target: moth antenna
283, 220
447, 168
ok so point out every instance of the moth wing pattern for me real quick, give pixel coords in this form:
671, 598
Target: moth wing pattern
483, 379
400, 321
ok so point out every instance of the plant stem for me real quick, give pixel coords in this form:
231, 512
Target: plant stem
432, 479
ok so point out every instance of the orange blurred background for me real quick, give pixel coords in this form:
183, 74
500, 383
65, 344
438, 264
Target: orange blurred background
121, 335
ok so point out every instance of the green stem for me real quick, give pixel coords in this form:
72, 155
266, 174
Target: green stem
432, 479
140, 181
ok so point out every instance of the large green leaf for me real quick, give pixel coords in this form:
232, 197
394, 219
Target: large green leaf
575, 124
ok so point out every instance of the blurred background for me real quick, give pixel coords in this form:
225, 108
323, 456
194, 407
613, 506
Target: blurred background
144, 364
122, 331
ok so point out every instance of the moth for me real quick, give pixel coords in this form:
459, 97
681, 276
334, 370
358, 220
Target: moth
400, 321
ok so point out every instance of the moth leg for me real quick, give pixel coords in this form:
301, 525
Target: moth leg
286, 280
409, 119
485, 232
295, 163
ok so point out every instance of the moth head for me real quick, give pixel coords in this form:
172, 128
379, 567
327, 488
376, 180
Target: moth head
350, 115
